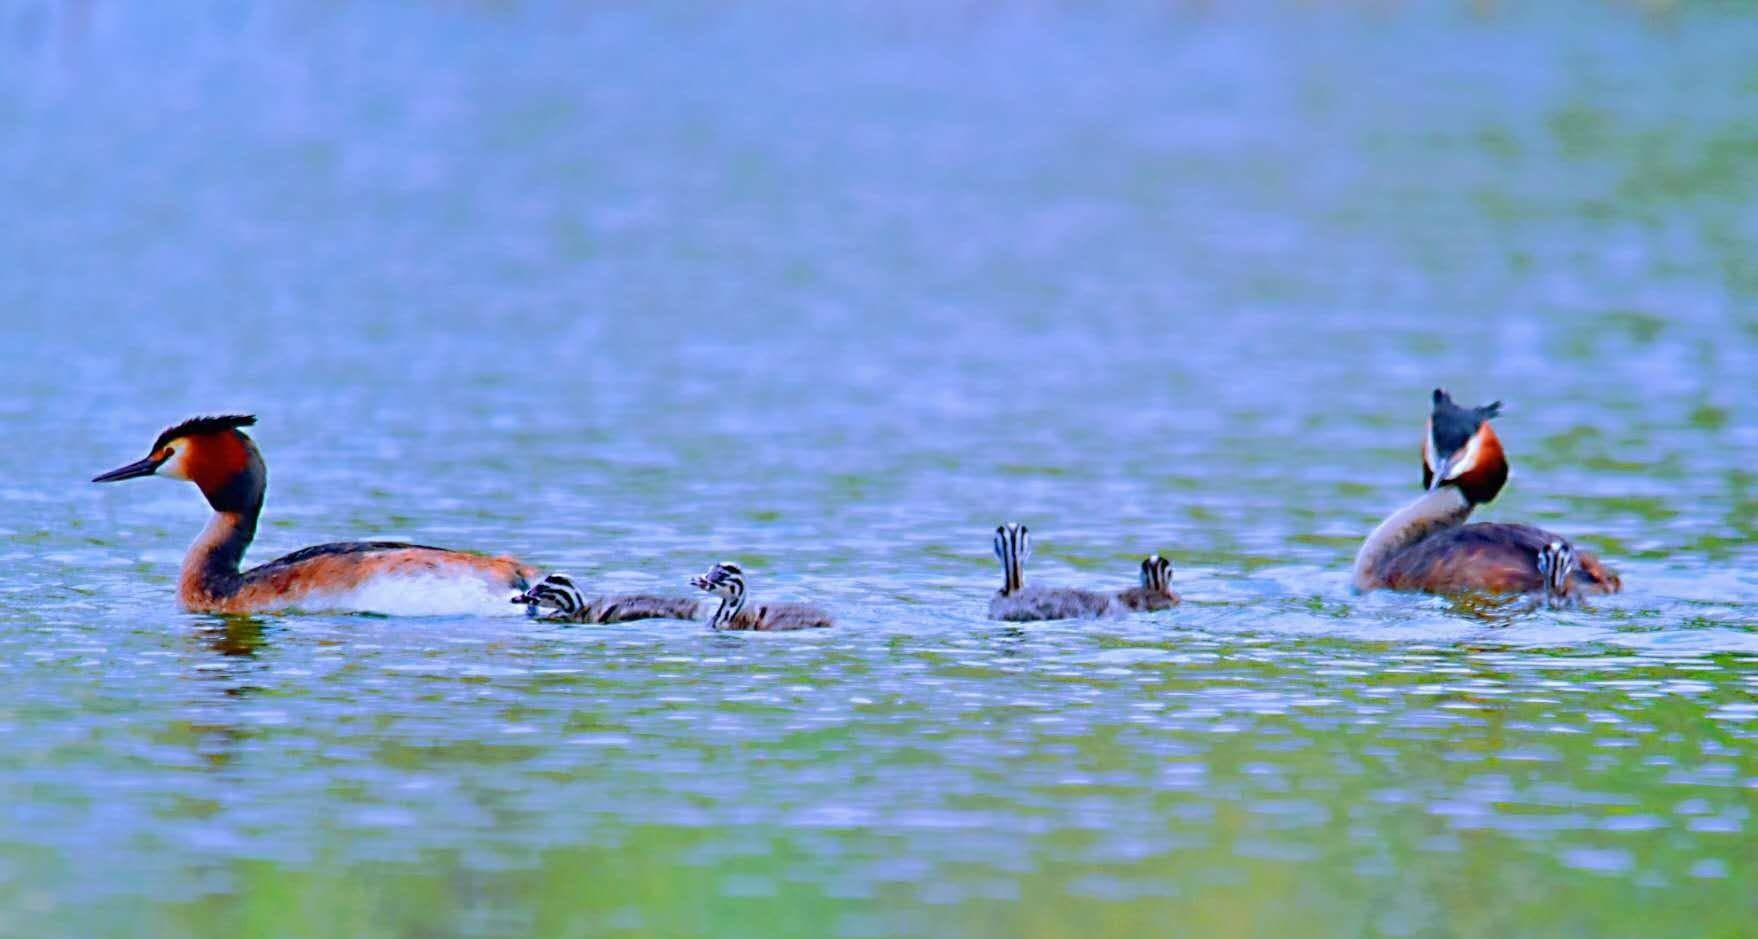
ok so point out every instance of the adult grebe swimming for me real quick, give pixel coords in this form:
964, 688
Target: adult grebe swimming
223, 462
1427, 545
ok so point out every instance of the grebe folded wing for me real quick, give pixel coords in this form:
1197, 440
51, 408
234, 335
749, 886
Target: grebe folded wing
1035, 604
629, 607
1497, 557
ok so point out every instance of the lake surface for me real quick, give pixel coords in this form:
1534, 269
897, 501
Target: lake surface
832, 293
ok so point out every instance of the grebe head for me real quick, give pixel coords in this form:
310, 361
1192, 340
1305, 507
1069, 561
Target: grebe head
727, 581
1556, 564
1156, 574
555, 592
1013, 545
1462, 450
211, 452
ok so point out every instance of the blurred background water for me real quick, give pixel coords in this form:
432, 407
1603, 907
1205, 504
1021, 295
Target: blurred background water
832, 290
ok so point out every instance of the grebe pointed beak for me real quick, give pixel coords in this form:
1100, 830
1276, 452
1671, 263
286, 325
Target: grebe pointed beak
135, 470
1441, 474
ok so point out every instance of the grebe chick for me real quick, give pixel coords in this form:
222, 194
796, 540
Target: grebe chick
1557, 564
215, 454
1155, 592
556, 598
1017, 603
1427, 545
726, 580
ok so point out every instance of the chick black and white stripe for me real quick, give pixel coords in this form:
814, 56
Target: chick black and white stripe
1557, 564
556, 597
726, 580
1155, 592
1017, 603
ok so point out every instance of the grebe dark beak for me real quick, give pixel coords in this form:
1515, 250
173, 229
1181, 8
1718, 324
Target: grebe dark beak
1439, 478
134, 470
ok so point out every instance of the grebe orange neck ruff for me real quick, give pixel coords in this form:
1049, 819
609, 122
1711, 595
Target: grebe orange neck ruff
217, 456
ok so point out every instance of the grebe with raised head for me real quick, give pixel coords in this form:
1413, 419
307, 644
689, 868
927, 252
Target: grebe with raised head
1017, 603
566, 603
1427, 546
217, 456
1155, 592
726, 580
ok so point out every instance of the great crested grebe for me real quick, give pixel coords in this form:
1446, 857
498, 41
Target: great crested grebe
216, 455
1427, 546
1155, 592
1017, 603
558, 593
726, 580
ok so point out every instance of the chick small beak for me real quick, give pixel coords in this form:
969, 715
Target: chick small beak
138, 468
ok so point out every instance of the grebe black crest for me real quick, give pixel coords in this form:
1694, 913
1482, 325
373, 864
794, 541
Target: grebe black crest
726, 581
1155, 590
223, 462
557, 597
1017, 603
1428, 546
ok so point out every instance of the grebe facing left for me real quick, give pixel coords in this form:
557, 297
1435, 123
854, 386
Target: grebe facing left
557, 598
726, 580
1427, 546
215, 454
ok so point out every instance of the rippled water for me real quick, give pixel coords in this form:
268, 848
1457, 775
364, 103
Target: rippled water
833, 293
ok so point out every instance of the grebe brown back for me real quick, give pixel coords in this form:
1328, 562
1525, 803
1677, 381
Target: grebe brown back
1017, 603
1427, 546
726, 580
558, 593
217, 456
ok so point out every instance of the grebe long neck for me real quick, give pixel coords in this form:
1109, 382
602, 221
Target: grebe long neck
1012, 545
730, 603
212, 568
1445, 507
1012, 577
